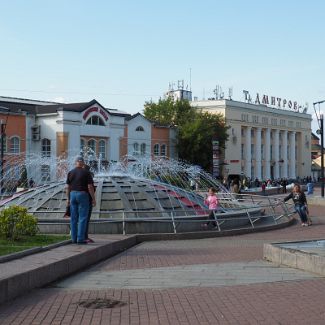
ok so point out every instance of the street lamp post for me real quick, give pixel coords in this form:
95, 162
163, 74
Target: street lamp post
2, 134
320, 121
2, 142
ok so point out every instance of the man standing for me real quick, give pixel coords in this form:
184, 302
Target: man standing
79, 187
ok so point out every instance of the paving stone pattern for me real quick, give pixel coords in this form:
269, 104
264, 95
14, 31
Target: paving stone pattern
285, 299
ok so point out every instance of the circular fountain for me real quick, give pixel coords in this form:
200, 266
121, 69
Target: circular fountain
135, 195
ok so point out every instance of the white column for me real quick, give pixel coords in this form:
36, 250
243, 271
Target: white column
258, 160
276, 153
292, 171
267, 150
248, 154
285, 153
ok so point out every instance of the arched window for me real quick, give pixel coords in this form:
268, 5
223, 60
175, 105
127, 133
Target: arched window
135, 148
163, 150
92, 145
14, 145
95, 120
46, 148
143, 148
156, 148
102, 149
139, 128
82, 145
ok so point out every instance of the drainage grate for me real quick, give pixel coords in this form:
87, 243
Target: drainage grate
101, 303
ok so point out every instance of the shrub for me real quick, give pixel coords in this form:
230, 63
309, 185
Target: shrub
15, 222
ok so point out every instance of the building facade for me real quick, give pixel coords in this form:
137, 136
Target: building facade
146, 138
55, 130
264, 142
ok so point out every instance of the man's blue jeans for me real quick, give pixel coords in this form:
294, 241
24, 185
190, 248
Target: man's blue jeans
301, 209
79, 205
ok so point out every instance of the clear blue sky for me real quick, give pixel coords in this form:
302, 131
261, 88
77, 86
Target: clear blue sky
125, 52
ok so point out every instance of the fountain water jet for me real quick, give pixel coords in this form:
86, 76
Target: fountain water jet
138, 189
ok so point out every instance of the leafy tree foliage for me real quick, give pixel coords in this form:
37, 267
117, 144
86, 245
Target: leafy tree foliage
196, 129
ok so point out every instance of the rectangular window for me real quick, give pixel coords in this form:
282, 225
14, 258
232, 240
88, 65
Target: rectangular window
143, 148
244, 117
156, 149
274, 121
253, 151
46, 148
255, 119
102, 149
163, 150
242, 151
271, 152
282, 122
265, 120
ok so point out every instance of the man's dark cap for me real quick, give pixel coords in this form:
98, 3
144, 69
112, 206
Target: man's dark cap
80, 159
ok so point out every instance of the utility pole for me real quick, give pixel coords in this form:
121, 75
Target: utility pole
320, 121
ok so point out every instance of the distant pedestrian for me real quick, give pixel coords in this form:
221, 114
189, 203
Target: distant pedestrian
212, 202
79, 184
300, 202
235, 187
284, 184
31, 183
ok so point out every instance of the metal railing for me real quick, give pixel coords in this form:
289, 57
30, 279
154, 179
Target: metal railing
247, 208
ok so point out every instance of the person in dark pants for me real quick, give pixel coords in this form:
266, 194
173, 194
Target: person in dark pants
300, 202
79, 186
284, 184
89, 240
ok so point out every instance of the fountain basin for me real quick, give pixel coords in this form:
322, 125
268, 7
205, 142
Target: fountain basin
305, 255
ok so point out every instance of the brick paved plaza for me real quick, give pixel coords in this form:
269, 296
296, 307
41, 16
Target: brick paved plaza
207, 281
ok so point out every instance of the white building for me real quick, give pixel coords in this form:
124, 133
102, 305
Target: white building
264, 142
57, 130
144, 137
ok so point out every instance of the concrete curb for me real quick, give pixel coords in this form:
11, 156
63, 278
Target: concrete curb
294, 258
30, 251
18, 284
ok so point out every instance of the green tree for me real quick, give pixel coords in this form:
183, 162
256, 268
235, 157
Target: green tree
196, 129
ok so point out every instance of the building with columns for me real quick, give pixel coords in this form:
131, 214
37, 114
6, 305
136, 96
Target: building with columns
264, 142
